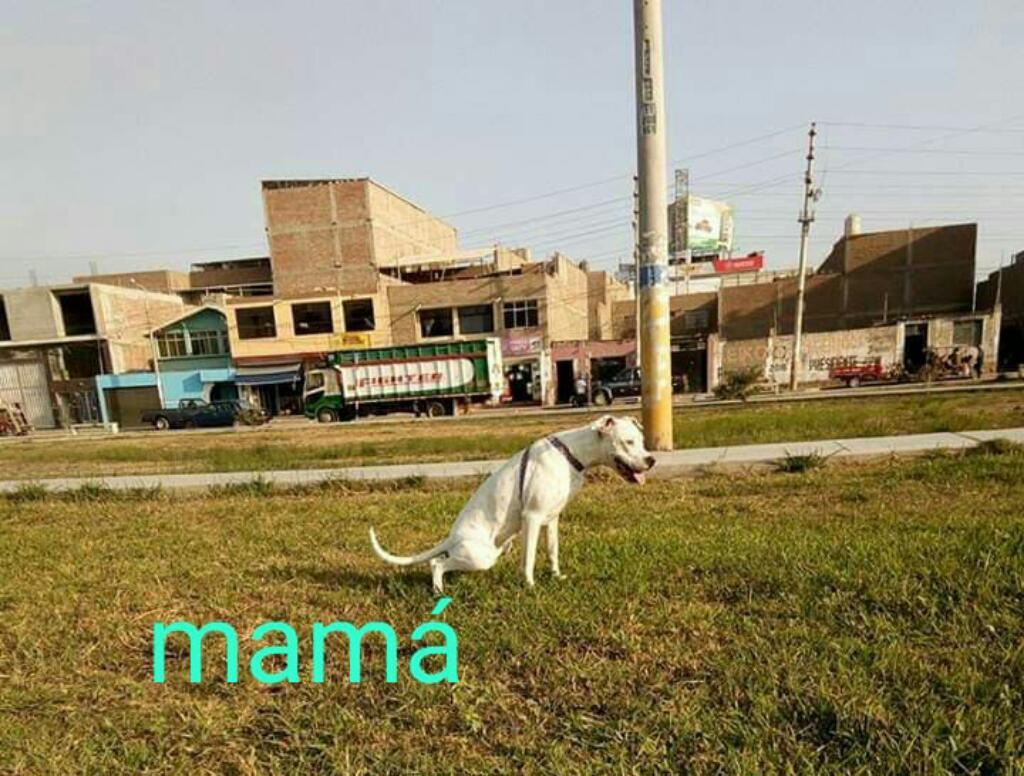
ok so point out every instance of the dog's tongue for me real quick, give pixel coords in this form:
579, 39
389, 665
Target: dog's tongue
639, 477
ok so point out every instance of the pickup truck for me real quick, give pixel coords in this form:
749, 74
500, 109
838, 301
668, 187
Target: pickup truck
626, 383
193, 413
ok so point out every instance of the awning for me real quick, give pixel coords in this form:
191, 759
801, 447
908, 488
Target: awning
275, 374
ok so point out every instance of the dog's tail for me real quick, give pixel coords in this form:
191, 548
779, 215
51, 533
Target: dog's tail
405, 560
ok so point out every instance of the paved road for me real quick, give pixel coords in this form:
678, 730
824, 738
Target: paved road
688, 402
675, 463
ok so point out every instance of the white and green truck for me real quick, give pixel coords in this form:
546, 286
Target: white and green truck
432, 380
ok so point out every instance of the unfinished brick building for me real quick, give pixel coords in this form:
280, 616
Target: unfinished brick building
891, 295
337, 235
1003, 290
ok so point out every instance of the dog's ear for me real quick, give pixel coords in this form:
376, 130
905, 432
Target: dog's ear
604, 424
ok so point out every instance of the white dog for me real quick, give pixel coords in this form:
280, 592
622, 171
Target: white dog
528, 492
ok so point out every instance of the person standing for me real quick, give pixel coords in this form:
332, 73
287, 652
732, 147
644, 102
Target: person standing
582, 391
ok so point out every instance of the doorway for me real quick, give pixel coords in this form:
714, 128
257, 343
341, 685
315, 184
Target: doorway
520, 379
915, 346
565, 376
690, 366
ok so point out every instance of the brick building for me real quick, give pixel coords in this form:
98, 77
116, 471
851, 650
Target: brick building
892, 295
693, 333
1003, 290
339, 235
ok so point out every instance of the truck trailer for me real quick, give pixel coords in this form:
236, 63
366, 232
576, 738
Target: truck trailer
432, 380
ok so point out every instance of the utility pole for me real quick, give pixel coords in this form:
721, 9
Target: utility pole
636, 268
806, 218
652, 282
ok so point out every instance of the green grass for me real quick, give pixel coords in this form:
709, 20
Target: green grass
850, 619
405, 441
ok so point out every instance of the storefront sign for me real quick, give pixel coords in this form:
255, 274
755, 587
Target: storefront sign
520, 346
349, 340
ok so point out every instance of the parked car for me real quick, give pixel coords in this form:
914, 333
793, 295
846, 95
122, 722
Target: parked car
196, 413
626, 383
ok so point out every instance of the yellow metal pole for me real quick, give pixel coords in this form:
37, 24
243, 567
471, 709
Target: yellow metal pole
652, 282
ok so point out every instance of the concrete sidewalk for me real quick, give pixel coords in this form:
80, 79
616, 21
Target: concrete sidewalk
669, 464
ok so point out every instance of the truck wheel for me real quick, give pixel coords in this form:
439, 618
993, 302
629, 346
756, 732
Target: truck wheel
326, 415
436, 409
160, 423
853, 382
601, 399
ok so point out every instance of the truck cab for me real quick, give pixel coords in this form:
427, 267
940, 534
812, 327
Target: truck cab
322, 397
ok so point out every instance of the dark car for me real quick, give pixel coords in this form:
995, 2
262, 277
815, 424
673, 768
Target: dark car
193, 413
626, 383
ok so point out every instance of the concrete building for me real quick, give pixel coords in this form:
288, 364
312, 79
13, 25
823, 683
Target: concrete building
529, 306
340, 235
235, 277
54, 341
274, 340
194, 359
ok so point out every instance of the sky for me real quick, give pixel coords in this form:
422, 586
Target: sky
135, 135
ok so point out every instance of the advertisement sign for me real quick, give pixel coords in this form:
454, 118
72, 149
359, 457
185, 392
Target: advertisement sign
348, 340
520, 346
709, 225
407, 378
750, 263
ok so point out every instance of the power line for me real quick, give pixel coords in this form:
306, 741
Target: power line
924, 127
616, 200
928, 172
604, 181
941, 151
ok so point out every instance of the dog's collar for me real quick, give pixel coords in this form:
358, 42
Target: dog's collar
559, 445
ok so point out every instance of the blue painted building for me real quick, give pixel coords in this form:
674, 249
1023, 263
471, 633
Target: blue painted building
193, 356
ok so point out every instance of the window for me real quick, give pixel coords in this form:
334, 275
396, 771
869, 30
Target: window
76, 313
967, 332
312, 318
520, 314
255, 322
171, 344
359, 315
476, 319
174, 344
208, 343
436, 322
5, 327
695, 320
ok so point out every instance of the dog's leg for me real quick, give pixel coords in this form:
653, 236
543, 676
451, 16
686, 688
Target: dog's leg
467, 556
531, 537
552, 530
437, 570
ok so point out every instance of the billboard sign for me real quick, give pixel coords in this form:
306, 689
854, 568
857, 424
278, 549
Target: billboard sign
750, 263
708, 226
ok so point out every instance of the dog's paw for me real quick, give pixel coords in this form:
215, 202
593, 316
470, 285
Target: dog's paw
559, 575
